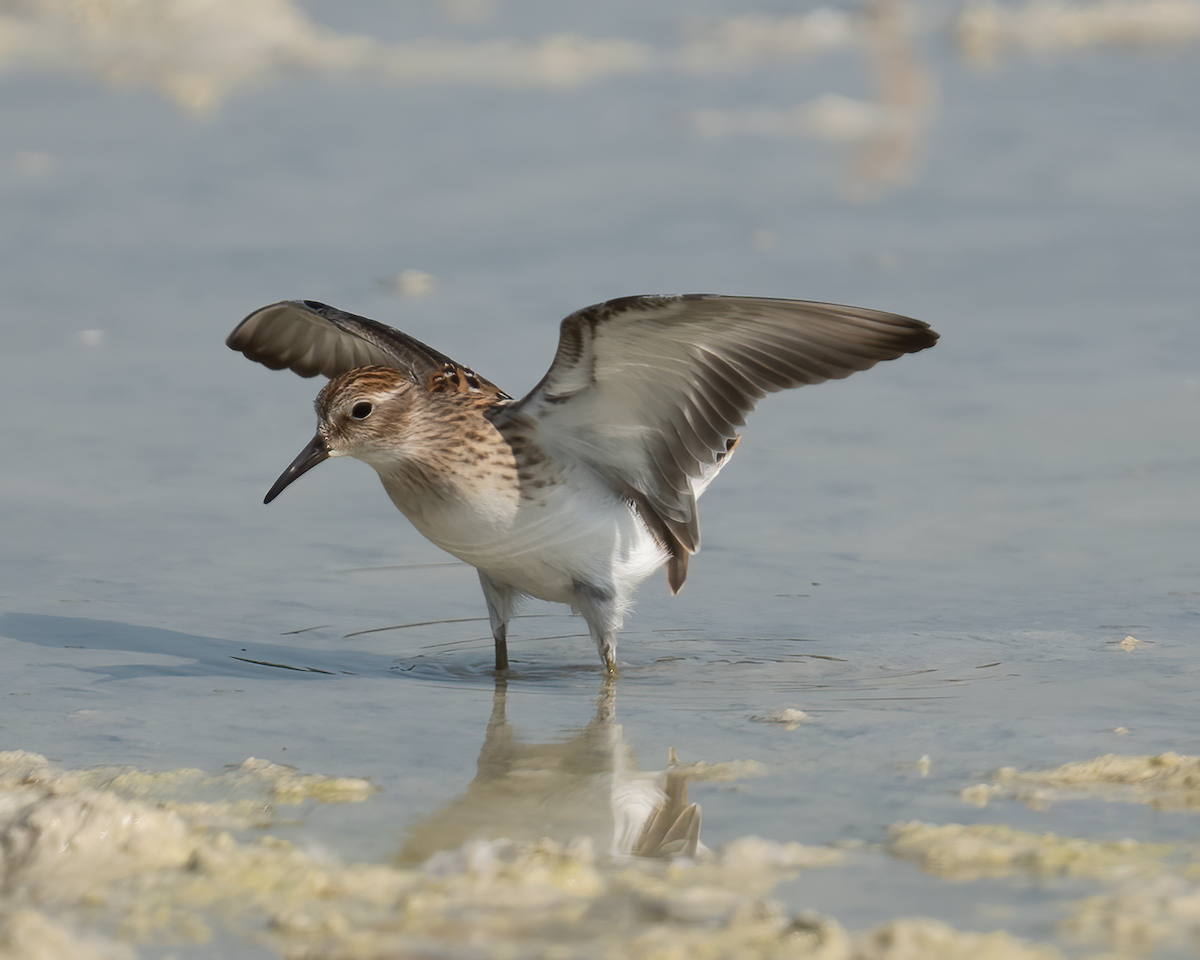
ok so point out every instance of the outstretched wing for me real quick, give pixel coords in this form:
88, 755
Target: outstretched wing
649, 390
309, 338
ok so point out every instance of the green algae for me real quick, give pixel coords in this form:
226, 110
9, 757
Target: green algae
970, 851
1166, 781
99, 869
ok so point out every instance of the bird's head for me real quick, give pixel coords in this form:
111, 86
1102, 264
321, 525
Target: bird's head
365, 413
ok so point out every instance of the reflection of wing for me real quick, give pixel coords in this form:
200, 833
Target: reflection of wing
637, 798
586, 785
649, 391
674, 830
652, 816
309, 338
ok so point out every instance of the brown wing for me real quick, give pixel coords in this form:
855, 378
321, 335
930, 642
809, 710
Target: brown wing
308, 338
650, 390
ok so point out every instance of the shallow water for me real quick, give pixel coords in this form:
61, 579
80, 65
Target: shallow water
936, 561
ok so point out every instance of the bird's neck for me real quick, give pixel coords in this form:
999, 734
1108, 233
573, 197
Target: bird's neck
446, 478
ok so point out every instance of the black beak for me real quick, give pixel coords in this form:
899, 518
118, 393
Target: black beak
309, 457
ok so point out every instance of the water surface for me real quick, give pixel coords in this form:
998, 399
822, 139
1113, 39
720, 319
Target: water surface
936, 561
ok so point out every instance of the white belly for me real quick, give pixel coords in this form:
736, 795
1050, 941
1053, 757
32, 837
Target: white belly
543, 546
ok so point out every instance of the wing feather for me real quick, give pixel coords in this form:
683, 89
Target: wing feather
312, 338
649, 390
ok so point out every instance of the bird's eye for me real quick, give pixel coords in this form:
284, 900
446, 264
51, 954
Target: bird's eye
361, 410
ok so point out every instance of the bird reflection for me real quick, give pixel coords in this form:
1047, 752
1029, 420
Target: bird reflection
586, 785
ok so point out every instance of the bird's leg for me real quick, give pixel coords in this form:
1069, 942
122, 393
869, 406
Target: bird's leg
500, 599
602, 611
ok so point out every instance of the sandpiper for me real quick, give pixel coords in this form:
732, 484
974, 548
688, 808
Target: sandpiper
577, 492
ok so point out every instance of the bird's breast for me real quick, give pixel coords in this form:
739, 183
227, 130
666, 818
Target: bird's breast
540, 532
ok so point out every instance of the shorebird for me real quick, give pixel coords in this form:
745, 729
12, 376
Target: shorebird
580, 490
